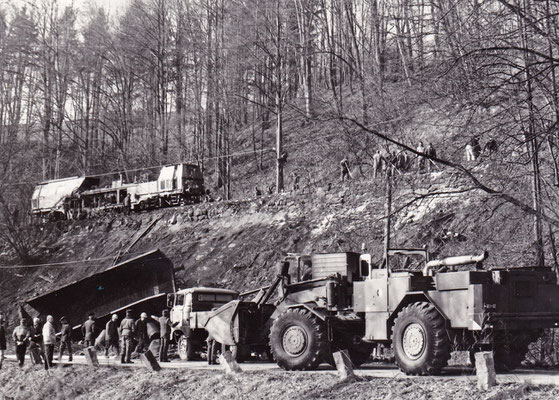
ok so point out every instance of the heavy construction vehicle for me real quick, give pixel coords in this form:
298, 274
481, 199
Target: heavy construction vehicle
424, 313
190, 309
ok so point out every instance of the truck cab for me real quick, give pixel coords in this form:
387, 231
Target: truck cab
190, 309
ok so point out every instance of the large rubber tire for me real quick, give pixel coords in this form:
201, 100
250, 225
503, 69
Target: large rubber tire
420, 342
185, 349
298, 340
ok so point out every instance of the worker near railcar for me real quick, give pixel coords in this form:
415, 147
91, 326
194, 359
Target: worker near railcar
165, 335
21, 336
142, 333
65, 339
111, 336
126, 204
37, 341
88, 330
126, 335
49, 339
2, 338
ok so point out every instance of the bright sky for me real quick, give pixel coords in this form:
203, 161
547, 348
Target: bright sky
113, 6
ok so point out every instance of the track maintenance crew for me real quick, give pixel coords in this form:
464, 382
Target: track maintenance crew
37, 341
88, 330
65, 339
142, 333
21, 336
165, 334
49, 339
111, 336
126, 335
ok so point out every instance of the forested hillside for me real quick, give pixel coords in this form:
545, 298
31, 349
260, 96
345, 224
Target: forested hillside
230, 85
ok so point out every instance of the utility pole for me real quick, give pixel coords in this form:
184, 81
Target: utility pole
279, 125
387, 217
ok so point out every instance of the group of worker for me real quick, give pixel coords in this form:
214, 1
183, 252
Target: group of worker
118, 337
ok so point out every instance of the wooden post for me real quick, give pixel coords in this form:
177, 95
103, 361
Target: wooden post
91, 356
343, 364
149, 360
485, 370
229, 364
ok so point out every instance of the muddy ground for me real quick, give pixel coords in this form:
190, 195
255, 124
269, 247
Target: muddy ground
81, 382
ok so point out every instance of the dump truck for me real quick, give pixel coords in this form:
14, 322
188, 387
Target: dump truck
190, 309
422, 308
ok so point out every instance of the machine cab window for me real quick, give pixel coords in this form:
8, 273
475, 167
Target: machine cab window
179, 300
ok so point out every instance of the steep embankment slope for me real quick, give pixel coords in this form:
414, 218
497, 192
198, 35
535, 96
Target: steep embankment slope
235, 244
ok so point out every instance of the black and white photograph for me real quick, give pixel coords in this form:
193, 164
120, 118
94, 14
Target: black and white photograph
279, 199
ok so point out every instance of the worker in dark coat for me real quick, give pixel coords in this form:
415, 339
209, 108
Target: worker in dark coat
126, 335
37, 341
111, 336
65, 339
88, 330
142, 333
21, 337
345, 170
165, 335
2, 338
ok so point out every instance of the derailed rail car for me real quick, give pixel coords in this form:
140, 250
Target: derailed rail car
78, 197
140, 284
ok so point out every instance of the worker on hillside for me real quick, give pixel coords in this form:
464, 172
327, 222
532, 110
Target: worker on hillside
65, 339
111, 336
296, 180
420, 158
473, 149
126, 334
126, 204
432, 153
378, 162
49, 339
2, 338
142, 333
88, 330
257, 192
36, 344
344, 170
165, 334
21, 337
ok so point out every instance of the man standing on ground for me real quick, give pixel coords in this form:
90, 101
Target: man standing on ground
111, 336
65, 339
142, 333
21, 336
2, 339
49, 339
37, 341
88, 329
126, 335
165, 333
344, 170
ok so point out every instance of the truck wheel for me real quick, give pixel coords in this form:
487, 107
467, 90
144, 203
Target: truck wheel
420, 341
298, 340
186, 352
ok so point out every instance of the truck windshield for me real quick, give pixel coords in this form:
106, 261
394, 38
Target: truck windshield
209, 301
179, 300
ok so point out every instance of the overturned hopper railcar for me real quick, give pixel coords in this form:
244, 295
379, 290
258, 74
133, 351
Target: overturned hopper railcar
140, 284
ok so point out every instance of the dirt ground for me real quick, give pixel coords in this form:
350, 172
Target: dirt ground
81, 382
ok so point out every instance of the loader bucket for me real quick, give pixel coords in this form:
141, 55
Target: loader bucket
223, 323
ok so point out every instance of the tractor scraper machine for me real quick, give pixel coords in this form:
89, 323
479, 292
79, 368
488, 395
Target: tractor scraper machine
321, 303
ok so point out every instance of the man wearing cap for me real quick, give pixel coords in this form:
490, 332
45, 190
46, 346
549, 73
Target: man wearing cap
65, 339
21, 336
49, 339
111, 336
2, 338
164, 332
142, 333
37, 342
88, 330
126, 335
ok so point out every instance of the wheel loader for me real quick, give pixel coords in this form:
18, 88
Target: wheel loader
424, 309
